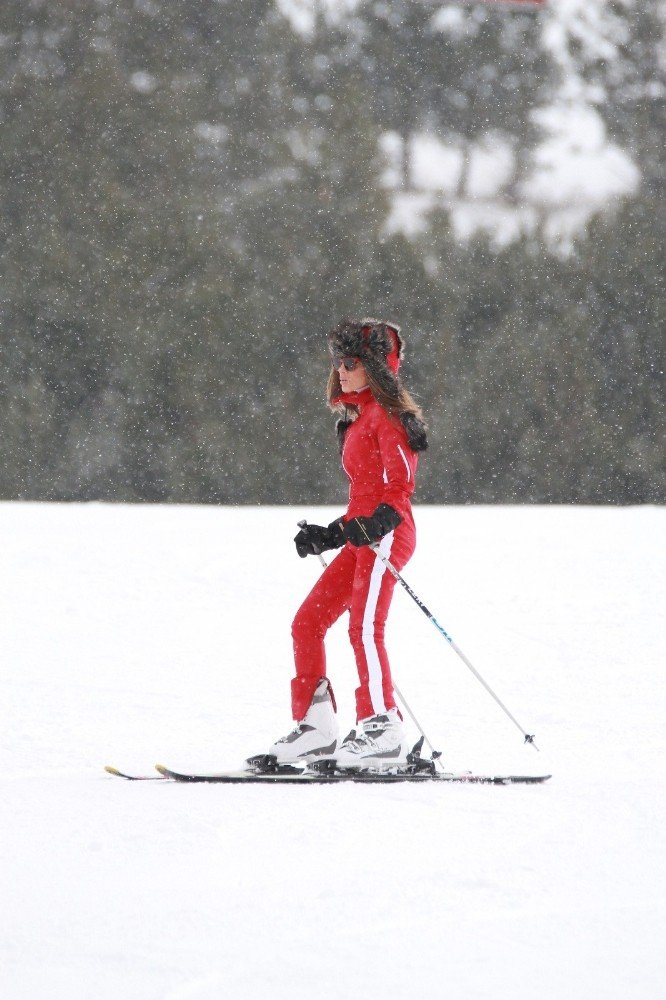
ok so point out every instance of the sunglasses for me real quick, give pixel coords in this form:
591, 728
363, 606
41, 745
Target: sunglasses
349, 364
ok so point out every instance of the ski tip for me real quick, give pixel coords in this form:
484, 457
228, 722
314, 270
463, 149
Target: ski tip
161, 769
113, 770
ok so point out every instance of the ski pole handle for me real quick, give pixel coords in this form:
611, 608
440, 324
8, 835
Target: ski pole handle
303, 525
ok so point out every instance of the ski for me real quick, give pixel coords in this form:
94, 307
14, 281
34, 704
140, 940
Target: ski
133, 777
313, 776
322, 775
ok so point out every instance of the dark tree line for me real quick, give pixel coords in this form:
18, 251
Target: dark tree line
190, 197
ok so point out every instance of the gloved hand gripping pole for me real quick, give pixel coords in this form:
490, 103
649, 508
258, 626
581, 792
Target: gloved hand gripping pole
302, 525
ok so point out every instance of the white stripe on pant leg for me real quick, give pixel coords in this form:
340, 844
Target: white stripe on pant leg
375, 684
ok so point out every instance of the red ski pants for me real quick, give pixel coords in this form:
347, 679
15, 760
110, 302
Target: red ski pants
356, 581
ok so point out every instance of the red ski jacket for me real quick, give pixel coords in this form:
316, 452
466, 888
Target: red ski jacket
378, 459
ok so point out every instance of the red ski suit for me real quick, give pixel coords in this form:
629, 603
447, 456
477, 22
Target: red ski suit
381, 467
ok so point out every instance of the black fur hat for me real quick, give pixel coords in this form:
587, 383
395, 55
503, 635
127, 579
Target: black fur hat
378, 345
380, 348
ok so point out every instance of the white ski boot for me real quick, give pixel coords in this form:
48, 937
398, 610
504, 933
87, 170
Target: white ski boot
380, 745
316, 736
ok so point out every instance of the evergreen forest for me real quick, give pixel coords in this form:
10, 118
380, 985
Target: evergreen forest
193, 192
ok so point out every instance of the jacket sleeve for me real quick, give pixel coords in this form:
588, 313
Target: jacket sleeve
399, 464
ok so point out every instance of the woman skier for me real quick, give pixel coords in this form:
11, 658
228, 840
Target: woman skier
380, 435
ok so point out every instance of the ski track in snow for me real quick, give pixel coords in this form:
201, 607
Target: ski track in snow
136, 634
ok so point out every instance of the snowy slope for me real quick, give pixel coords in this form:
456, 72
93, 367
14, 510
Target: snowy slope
130, 635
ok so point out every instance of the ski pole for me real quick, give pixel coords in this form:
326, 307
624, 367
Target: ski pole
436, 754
391, 568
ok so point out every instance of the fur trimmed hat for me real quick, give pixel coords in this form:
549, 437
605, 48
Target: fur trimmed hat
377, 344
380, 348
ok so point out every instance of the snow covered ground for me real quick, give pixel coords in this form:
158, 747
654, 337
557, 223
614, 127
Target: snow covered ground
130, 635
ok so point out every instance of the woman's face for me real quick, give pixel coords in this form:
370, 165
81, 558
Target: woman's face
354, 380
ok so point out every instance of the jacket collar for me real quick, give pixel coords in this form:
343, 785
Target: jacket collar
359, 399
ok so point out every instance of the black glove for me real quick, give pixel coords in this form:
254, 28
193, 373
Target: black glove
313, 539
364, 530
